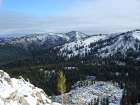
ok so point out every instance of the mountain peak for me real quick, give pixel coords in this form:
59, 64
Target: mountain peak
76, 35
74, 32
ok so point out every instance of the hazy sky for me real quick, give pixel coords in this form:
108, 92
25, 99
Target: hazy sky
23, 17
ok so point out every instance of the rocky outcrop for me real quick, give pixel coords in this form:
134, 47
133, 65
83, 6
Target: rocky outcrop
20, 92
1, 73
8, 81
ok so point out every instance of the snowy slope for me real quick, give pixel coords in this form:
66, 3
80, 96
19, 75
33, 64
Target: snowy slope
136, 34
20, 92
90, 92
124, 42
80, 46
103, 45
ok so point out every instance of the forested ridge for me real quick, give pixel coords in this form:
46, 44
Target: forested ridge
9, 52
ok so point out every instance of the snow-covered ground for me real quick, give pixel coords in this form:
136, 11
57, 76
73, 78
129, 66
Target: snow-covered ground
20, 92
89, 92
80, 46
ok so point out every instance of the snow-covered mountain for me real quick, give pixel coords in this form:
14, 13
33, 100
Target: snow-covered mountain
90, 92
75, 36
47, 40
103, 45
76, 43
125, 42
81, 46
20, 92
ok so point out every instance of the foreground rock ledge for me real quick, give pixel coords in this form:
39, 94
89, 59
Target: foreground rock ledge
20, 92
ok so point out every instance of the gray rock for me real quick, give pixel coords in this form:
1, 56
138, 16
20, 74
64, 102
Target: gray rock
8, 81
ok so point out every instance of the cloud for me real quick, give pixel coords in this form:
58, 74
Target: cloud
90, 17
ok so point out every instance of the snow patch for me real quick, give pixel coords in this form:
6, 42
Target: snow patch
88, 92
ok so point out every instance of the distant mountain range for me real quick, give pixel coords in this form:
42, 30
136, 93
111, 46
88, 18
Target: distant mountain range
16, 47
44, 40
72, 44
